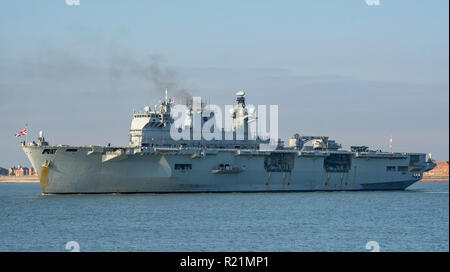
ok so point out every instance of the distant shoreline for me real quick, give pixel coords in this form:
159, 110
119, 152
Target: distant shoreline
35, 179
19, 179
435, 179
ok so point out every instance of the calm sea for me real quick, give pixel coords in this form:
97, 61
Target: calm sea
412, 220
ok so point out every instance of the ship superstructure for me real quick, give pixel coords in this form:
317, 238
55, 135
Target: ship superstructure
151, 128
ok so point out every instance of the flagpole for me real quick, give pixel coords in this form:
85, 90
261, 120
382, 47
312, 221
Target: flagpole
390, 144
26, 134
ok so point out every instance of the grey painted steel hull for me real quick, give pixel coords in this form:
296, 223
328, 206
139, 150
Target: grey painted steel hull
131, 170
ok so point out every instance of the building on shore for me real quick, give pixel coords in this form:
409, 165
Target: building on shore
3, 171
439, 173
21, 171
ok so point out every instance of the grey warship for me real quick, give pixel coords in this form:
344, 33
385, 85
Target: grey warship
153, 162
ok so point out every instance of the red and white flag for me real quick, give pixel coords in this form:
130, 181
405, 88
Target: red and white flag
20, 133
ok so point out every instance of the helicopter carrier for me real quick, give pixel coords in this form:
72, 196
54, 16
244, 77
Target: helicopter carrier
154, 162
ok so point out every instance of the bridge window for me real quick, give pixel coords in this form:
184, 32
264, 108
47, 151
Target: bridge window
390, 168
403, 168
71, 150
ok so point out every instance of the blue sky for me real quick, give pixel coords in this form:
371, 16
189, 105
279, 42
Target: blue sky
355, 72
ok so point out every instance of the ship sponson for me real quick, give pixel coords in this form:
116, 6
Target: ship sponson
153, 163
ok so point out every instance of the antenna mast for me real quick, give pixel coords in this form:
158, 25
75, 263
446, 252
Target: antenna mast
390, 144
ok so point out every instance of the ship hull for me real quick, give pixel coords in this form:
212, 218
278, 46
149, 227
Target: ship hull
74, 170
